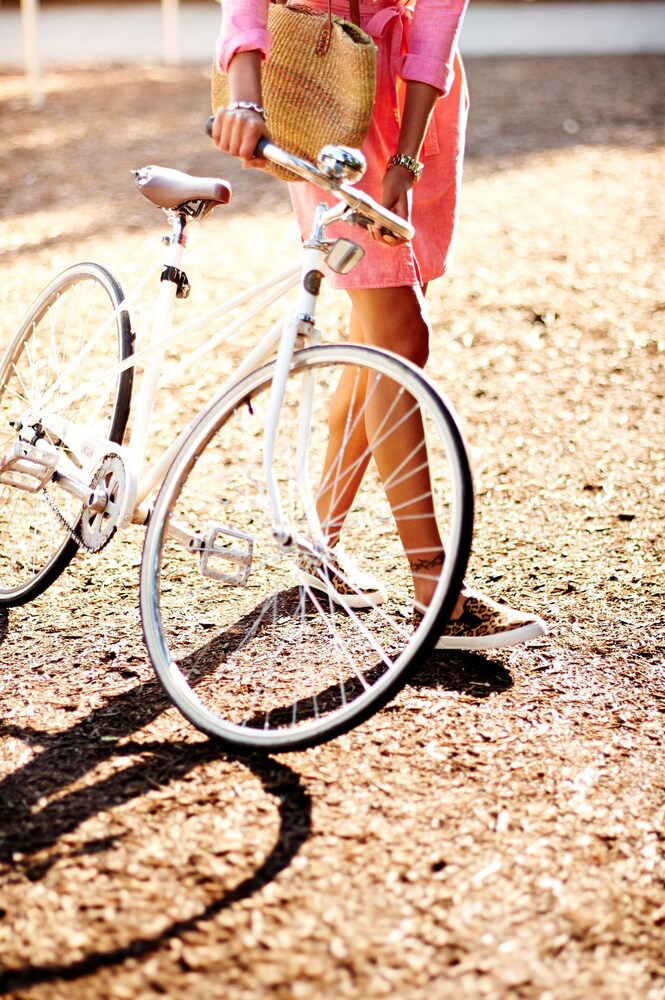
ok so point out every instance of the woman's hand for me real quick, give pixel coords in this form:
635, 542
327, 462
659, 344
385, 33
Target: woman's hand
236, 131
395, 196
398, 180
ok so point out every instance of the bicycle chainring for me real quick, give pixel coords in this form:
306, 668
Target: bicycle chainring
97, 528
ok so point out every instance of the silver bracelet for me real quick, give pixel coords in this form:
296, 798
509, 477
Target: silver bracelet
249, 106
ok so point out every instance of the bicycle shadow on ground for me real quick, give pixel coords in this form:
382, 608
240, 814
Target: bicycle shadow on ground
217, 650
473, 674
27, 827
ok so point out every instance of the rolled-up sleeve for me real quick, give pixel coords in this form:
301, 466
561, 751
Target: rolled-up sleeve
433, 42
244, 29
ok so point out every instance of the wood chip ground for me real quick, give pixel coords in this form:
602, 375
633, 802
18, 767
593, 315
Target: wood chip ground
497, 831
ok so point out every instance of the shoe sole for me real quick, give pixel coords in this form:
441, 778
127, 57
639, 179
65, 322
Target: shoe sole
496, 641
354, 601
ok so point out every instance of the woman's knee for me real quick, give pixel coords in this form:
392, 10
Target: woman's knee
394, 319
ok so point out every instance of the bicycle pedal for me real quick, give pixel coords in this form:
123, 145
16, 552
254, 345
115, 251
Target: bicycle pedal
226, 555
27, 467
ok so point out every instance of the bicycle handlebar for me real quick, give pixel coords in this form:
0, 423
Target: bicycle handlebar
358, 201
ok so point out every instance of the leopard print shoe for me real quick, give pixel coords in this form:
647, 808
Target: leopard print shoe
341, 580
485, 624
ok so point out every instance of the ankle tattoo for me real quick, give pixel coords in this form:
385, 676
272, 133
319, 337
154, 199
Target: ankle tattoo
421, 564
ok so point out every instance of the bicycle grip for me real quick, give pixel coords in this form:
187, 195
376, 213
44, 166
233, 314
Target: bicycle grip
260, 146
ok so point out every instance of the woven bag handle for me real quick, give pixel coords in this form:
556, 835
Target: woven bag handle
323, 43
354, 10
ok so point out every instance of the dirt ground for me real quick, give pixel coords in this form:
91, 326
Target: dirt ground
498, 831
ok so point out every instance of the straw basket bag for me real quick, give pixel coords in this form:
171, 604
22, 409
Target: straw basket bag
318, 82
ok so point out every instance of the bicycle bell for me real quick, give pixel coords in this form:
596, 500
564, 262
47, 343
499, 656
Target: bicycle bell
341, 163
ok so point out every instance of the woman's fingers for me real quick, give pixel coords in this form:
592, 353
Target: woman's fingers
237, 131
384, 236
396, 196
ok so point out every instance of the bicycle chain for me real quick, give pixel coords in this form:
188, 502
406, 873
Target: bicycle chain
73, 534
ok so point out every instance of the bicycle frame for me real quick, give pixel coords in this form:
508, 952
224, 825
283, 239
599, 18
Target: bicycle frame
270, 290
90, 448
141, 482
199, 196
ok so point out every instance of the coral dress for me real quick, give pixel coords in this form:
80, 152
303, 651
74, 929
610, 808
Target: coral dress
416, 40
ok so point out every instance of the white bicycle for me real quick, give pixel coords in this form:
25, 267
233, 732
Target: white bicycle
263, 635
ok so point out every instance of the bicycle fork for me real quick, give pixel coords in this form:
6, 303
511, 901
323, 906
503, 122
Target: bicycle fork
341, 255
301, 323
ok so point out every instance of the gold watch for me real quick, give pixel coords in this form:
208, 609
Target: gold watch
410, 162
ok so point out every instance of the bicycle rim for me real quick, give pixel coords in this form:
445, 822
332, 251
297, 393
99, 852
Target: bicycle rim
77, 328
276, 662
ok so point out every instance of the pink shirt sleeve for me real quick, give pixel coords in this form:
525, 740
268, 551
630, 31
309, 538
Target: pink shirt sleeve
244, 29
432, 39
433, 42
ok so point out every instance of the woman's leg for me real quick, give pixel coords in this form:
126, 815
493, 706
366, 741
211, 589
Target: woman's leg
348, 453
361, 416
395, 319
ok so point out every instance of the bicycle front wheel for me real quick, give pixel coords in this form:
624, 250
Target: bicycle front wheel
77, 330
279, 643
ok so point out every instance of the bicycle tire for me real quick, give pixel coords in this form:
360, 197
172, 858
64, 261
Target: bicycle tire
275, 664
49, 356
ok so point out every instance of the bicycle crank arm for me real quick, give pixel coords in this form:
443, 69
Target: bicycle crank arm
95, 499
28, 467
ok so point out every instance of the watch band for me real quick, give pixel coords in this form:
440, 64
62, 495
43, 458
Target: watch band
410, 162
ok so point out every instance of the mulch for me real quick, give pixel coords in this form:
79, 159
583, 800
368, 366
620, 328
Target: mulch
498, 830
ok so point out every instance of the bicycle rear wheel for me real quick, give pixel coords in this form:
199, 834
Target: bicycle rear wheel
247, 635
77, 328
